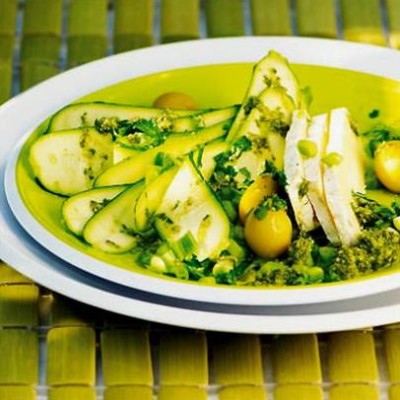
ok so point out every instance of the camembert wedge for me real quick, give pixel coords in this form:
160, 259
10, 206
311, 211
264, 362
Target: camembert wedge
297, 185
317, 139
343, 174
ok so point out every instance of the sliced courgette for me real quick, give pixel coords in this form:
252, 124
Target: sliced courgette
264, 130
78, 209
204, 157
133, 169
203, 120
270, 72
190, 218
85, 114
150, 198
266, 126
113, 228
180, 125
67, 162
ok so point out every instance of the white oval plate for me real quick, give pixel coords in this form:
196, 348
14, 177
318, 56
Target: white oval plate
26, 256
26, 111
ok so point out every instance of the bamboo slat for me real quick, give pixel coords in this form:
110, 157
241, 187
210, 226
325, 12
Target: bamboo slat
224, 18
65, 312
391, 342
394, 392
5, 80
41, 41
8, 19
72, 392
17, 393
362, 21
299, 392
316, 18
183, 358
237, 360
71, 356
133, 27
36, 71
180, 20
19, 305
354, 392
19, 357
126, 357
393, 15
128, 393
271, 17
352, 358
296, 359
242, 393
6, 48
182, 393
10, 275
8, 13
87, 31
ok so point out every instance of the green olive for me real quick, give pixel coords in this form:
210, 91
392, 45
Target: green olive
176, 101
269, 236
263, 186
387, 165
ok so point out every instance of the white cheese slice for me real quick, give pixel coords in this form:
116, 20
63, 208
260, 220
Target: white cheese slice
318, 134
343, 176
294, 172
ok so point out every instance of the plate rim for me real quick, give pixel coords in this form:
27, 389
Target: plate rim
306, 295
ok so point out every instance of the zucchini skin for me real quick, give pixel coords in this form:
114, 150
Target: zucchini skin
270, 71
133, 169
84, 114
113, 228
203, 120
68, 162
190, 207
78, 209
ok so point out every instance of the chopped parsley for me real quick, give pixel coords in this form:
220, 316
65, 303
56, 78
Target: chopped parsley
140, 134
270, 203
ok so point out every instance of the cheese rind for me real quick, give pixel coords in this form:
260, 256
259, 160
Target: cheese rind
318, 134
342, 179
294, 172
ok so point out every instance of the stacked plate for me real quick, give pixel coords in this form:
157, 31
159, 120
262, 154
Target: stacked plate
33, 250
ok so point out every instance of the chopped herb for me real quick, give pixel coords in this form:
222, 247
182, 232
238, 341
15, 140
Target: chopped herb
252, 102
164, 217
88, 172
84, 121
185, 246
246, 173
199, 160
372, 214
303, 188
164, 161
277, 175
374, 113
107, 125
270, 203
112, 243
96, 206
141, 134
241, 145
272, 79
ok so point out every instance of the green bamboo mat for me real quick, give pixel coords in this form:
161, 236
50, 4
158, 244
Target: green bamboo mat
54, 348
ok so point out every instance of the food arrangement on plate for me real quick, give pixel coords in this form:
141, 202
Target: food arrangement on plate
257, 194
